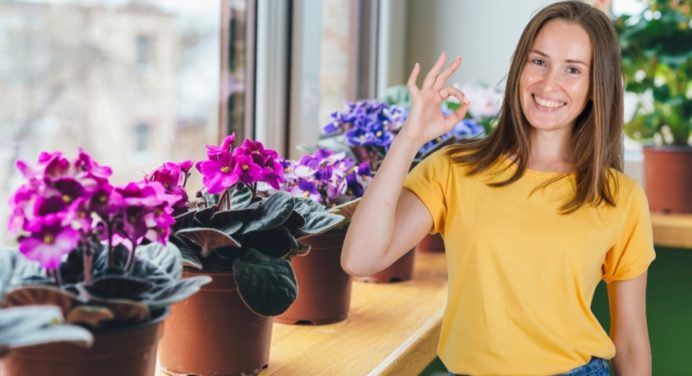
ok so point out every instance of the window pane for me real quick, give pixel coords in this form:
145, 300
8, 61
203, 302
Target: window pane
135, 83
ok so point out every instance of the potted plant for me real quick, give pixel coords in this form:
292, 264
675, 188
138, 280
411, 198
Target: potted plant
335, 181
244, 241
100, 253
35, 325
657, 66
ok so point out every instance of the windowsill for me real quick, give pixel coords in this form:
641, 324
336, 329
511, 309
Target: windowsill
672, 230
392, 329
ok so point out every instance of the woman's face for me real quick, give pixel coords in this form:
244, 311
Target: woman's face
554, 85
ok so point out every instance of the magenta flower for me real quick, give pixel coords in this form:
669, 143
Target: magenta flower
218, 174
226, 146
49, 241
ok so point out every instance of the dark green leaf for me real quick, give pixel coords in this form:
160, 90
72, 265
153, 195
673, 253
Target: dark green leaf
277, 242
271, 213
320, 222
266, 284
208, 239
203, 216
14, 269
241, 197
304, 206
118, 287
28, 326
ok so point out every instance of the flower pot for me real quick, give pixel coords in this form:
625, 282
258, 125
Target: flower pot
668, 178
214, 333
400, 270
431, 243
324, 288
129, 350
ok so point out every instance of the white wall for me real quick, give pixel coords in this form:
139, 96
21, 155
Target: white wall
484, 33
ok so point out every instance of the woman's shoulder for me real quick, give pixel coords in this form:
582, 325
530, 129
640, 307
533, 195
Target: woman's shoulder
627, 188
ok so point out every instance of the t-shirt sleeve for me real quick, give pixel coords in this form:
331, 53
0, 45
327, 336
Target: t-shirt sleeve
429, 181
633, 252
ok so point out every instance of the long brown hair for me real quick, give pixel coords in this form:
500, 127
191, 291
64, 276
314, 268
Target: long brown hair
596, 142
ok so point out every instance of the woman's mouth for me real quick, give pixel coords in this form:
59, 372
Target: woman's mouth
547, 105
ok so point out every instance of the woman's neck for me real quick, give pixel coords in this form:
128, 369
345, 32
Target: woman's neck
550, 151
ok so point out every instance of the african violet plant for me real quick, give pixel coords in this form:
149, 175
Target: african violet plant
331, 179
97, 251
368, 127
35, 325
232, 227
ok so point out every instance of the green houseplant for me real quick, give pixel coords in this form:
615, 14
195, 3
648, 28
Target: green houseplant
657, 64
98, 252
244, 241
35, 325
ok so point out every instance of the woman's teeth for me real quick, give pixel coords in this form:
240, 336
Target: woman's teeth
547, 103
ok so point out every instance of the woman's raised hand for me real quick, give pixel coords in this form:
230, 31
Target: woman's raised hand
426, 121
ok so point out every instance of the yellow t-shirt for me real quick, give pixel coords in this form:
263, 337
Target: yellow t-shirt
522, 276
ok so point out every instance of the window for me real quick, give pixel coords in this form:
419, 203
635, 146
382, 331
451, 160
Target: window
70, 78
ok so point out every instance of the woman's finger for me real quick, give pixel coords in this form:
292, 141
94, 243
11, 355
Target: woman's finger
411, 83
459, 114
434, 71
440, 80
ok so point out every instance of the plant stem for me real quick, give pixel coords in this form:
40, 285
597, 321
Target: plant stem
130, 257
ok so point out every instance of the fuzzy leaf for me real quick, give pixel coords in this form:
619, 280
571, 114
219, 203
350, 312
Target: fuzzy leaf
241, 197
190, 258
266, 284
320, 222
29, 326
30, 295
271, 213
304, 206
208, 239
203, 216
15, 269
118, 287
277, 242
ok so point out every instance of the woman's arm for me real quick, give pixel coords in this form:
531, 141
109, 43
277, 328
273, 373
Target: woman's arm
628, 328
370, 245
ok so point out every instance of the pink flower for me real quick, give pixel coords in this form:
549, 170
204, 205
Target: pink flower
49, 241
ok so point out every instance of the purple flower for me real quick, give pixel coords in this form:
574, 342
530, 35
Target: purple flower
226, 146
326, 177
218, 174
49, 241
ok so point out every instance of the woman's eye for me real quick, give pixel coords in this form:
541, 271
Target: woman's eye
573, 70
538, 62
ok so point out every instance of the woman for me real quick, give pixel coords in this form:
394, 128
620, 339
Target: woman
533, 217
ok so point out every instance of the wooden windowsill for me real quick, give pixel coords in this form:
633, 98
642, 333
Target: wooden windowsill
392, 329
672, 230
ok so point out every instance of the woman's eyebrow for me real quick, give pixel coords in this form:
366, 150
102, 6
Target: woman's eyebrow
573, 61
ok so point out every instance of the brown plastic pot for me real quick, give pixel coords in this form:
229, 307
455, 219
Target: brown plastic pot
214, 333
116, 351
431, 243
668, 178
401, 270
324, 288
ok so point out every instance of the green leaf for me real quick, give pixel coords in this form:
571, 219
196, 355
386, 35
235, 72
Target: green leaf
266, 284
241, 197
14, 269
190, 258
226, 221
304, 206
277, 242
36, 325
203, 216
320, 222
208, 239
118, 287
271, 213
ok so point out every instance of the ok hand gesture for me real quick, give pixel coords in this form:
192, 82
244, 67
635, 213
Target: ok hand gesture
426, 121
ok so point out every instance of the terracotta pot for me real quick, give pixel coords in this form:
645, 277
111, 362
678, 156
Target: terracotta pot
400, 270
214, 333
324, 288
116, 351
668, 178
431, 243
